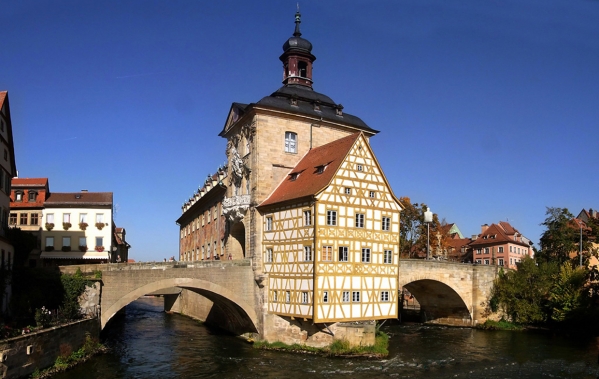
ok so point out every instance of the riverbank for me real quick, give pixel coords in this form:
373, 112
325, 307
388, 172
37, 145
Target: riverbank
339, 348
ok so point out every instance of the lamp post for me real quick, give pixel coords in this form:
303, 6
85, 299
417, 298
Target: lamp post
428, 218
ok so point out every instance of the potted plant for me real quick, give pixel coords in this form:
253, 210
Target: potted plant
99, 225
83, 248
83, 225
100, 248
49, 226
66, 248
66, 225
49, 248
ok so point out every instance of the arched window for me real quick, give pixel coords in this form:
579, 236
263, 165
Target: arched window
302, 69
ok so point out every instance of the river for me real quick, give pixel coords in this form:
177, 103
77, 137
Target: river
147, 343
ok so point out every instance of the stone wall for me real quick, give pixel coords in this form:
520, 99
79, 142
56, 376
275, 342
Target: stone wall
21, 356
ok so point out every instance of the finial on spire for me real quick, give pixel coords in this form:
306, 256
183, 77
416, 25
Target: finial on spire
298, 21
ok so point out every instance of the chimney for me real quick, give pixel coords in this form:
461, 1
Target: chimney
83, 190
484, 228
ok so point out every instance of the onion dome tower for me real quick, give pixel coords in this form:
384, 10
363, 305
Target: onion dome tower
297, 58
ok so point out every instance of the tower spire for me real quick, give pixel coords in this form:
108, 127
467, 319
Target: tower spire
298, 21
297, 57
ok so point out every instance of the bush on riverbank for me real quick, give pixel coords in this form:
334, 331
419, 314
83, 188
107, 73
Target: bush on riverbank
339, 348
499, 325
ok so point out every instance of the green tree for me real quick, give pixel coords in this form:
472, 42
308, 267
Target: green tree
560, 237
411, 219
568, 296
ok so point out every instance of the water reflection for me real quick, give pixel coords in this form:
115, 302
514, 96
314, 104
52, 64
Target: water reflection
147, 343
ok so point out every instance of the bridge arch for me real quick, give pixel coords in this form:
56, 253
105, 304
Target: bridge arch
241, 313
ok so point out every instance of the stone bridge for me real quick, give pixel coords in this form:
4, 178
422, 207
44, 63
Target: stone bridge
449, 293
228, 294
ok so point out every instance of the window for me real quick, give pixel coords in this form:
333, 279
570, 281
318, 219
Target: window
386, 223
32, 196
385, 296
99, 218
203, 252
287, 297
478, 261
510, 249
345, 297
388, 256
355, 296
50, 241
332, 218
343, 254
372, 194
486, 250
366, 255
82, 241
305, 297
302, 69
268, 255
274, 296
327, 253
478, 251
290, 142
268, 224
66, 217
347, 191
208, 215
307, 253
12, 219
500, 262
307, 218
359, 220
34, 219
18, 196
215, 211
99, 241
293, 176
486, 261
320, 169
501, 249
325, 297
360, 167
23, 219
83, 217
66, 241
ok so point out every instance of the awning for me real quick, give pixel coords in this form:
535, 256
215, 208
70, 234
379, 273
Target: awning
74, 255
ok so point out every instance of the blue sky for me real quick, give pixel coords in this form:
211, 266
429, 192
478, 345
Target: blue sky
488, 110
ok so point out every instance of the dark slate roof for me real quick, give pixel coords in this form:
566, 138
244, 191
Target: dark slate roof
306, 97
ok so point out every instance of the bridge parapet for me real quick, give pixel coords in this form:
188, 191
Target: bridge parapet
91, 268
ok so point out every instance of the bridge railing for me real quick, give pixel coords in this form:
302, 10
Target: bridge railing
91, 268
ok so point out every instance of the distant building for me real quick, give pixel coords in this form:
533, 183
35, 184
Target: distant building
8, 170
78, 228
500, 244
585, 215
582, 222
122, 246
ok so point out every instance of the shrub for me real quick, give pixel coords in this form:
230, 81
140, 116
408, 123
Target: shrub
43, 317
66, 225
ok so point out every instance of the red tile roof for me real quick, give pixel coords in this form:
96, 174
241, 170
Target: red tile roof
2, 97
29, 182
309, 182
502, 233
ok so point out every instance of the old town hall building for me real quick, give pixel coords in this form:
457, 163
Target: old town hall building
305, 198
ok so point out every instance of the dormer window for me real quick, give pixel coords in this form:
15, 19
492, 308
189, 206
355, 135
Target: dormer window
317, 106
293, 176
339, 110
320, 169
32, 196
18, 196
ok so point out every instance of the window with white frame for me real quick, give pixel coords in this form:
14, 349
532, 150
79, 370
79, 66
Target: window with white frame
307, 218
478, 251
325, 297
479, 261
327, 253
500, 261
83, 242
359, 220
386, 224
287, 296
83, 217
366, 255
290, 142
388, 256
50, 218
305, 297
331, 218
343, 255
486, 261
360, 167
268, 255
355, 296
307, 253
500, 249
372, 194
384, 295
99, 241
345, 297
486, 250
347, 191
274, 296
49, 241
99, 218
268, 224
